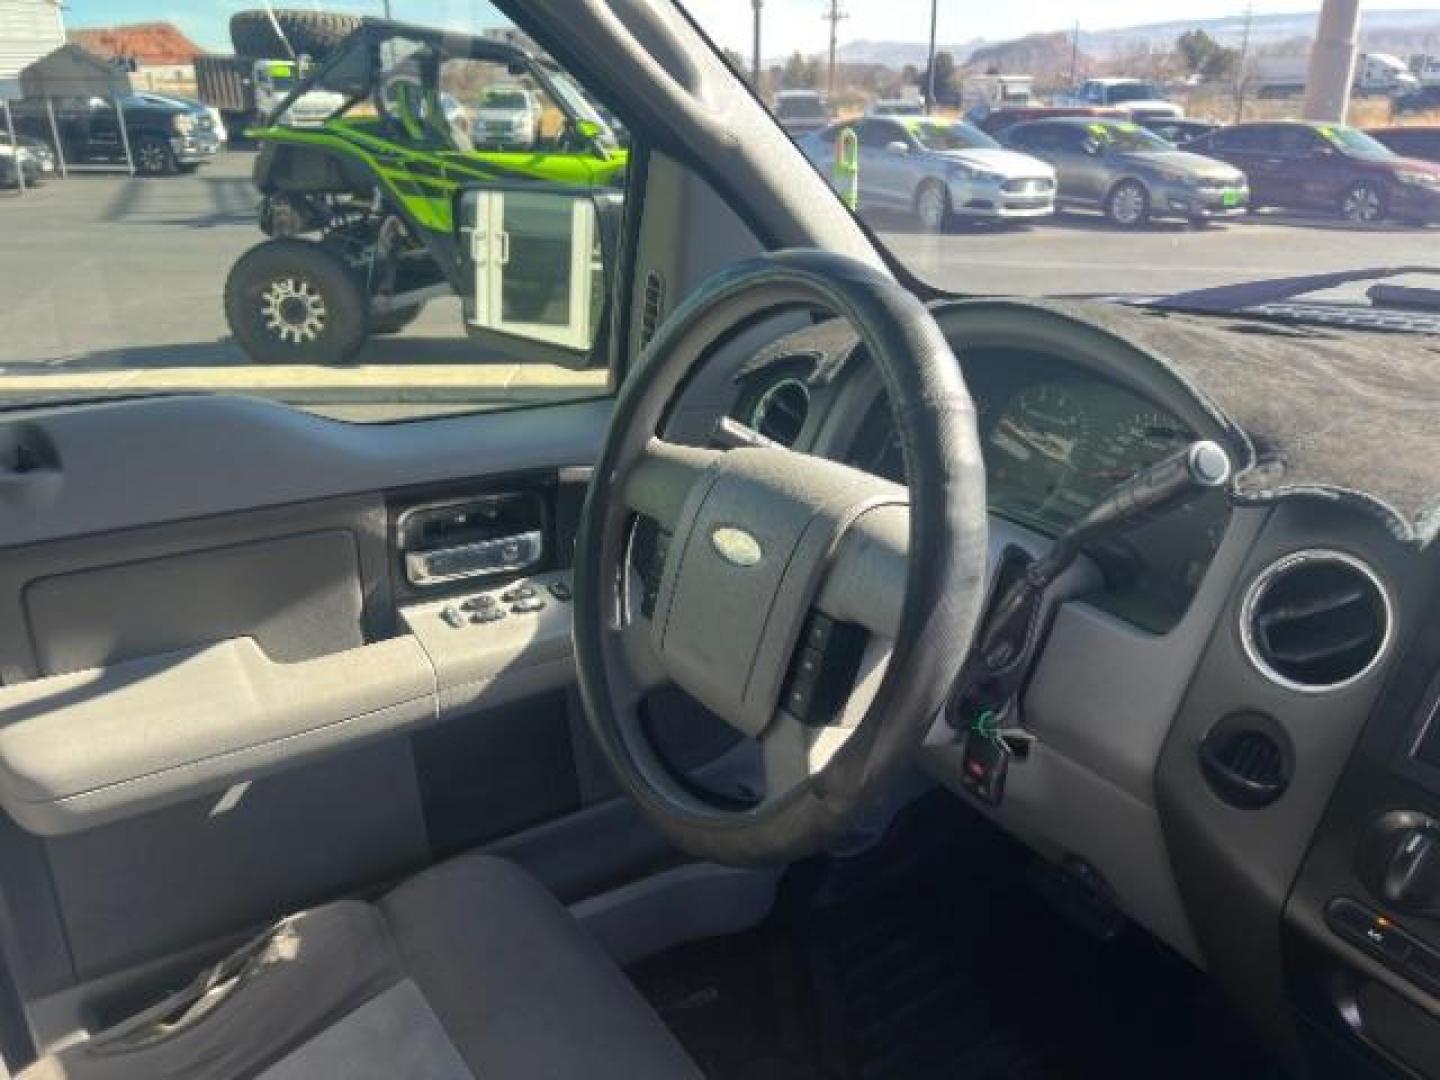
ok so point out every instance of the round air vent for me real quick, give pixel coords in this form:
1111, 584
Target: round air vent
1316, 621
1246, 760
780, 412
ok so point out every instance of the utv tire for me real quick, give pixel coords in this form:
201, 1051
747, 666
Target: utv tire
392, 322
153, 157
309, 33
296, 302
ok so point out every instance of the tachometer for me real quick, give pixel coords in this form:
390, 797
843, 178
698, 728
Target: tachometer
1037, 446
1134, 442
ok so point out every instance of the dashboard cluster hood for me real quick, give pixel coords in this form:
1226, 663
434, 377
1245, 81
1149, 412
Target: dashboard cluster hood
1347, 415
1344, 415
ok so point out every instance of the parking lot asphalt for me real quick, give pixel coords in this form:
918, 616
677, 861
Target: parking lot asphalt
114, 274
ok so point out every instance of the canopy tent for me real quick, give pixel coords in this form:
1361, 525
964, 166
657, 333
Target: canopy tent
73, 72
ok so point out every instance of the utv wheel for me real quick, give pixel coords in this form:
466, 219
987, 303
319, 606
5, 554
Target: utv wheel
1363, 204
1128, 204
295, 302
153, 157
932, 206
392, 322
307, 33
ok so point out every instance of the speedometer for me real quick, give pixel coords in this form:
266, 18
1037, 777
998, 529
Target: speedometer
1037, 446
1134, 442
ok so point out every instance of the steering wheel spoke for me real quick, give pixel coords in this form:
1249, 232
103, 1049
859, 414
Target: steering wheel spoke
865, 582
660, 481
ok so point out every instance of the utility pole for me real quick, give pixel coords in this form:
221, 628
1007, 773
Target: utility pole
755, 51
1074, 52
833, 17
1332, 61
930, 59
1244, 61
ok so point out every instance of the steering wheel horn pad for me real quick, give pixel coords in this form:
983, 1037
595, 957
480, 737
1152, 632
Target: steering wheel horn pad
726, 623
760, 537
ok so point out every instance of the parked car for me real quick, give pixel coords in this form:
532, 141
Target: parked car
1143, 100
1130, 173
1421, 100
939, 170
897, 107
15, 162
994, 121
1180, 132
1412, 142
507, 115
198, 108
1312, 166
38, 149
800, 111
165, 137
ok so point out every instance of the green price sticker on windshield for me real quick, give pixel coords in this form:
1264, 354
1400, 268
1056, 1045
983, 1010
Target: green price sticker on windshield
1128, 126
1328, 133
1097, 129
279, 69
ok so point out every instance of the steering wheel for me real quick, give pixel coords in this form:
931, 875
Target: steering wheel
765, 544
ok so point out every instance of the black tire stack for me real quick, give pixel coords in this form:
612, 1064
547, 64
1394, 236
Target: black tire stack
308, 33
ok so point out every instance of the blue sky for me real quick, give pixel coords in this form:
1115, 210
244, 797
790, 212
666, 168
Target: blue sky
789, 24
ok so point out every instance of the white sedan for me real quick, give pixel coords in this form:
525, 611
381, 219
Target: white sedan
937, 170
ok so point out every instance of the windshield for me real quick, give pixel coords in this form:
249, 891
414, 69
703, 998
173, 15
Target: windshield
936, 136
504, 99
1255, 199
802, 108
1134, 92
1126, 138
1355, 143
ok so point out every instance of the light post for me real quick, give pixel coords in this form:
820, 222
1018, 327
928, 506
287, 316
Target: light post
755, 50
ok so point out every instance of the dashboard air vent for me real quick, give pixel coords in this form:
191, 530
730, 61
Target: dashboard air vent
1316, 621
651, 304
780, 412
1244, 761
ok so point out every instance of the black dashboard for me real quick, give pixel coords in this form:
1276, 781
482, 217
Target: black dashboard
1056, 438
1288, 634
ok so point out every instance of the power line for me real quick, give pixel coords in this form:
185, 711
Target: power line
833, 17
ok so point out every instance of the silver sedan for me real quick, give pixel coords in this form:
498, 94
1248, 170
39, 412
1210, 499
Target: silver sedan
937, 170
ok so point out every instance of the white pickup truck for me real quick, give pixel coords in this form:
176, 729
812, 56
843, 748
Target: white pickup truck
1144, 100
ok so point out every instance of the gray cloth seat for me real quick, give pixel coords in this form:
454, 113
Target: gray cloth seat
468, 971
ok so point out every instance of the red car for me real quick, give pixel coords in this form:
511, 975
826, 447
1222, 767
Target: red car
1313, 166
997, 120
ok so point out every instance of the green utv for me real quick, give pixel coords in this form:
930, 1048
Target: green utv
424, 183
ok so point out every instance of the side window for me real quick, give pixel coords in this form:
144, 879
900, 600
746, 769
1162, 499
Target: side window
1296, 141
1244, 139
1070, 138
878, 134
431, 225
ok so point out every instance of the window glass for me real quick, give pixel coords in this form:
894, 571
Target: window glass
1205, 62
342, 215
877, 134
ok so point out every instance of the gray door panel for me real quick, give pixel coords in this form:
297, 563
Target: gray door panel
223, 520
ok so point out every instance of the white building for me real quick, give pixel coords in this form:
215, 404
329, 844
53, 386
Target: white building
29, 29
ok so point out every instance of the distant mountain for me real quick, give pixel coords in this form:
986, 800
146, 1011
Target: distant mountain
1265, 30
896, 54
1401, 31
1043, 55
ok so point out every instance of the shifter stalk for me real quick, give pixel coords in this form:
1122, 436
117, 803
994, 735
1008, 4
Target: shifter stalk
1167, 484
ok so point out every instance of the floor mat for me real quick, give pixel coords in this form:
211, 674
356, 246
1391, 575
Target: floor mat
929, 957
